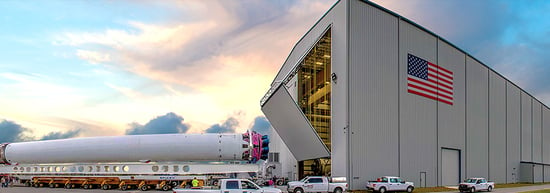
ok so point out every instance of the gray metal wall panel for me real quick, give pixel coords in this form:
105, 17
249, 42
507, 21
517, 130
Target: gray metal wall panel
513, 126
417, 114
546, 174
526, 127
546, 136
339, 93
526, 173
537, 132
373, 82
477, 150
451, 123
451, 167
538, 173
497, 128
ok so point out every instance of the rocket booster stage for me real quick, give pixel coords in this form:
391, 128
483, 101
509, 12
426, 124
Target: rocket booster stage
249, 146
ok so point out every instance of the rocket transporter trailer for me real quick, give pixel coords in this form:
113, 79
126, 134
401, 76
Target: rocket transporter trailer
134, 162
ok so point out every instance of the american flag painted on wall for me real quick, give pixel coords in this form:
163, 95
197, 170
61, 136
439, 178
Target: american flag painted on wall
429, 80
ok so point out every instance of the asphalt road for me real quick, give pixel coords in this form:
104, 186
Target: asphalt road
62, 190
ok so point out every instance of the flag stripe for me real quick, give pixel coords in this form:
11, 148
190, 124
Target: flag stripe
429, 85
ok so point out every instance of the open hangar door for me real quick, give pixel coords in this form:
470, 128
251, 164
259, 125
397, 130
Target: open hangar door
450, 166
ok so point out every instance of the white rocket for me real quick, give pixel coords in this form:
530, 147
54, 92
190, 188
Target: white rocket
134, 148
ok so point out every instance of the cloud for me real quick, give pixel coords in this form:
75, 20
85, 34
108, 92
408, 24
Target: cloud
12, 132
93, 57
169, 123
215, 49
229, 126
62, 135
261, 125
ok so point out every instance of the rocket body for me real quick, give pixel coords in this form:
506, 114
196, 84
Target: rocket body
132, 148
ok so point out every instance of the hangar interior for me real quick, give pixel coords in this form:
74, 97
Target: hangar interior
344, 104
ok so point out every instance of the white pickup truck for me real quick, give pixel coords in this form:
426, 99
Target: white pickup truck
390, 184
475, 184
318, 184
231, 186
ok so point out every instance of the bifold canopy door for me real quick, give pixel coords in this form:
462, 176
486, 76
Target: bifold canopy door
293, 126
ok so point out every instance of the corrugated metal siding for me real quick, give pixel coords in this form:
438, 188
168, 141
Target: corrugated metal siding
476, 119
373, 94
513, 126
339, 94
537, 132
417, 114
546, 137
546, 174
497, 128
451, 118
526, 127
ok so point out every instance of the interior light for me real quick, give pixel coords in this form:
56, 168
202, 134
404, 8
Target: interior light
326, 56
319, 63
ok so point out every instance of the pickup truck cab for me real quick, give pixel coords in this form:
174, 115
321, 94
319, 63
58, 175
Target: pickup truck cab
231, 186
475, 184
390, 184
318, 184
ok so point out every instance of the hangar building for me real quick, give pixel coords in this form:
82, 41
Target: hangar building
366, 92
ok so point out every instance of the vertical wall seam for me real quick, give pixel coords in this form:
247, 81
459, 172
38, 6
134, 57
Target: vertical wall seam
488, 124
437, 117
465, 115
398, 99
532, 123
506, 127
348, 134
520, 128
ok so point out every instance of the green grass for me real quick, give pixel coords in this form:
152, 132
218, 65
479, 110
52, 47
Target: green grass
538, 191
517, 185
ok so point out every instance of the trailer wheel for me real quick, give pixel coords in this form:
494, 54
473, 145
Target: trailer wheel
280, 182
144, 188
51, 185
28, 184
124, 187
174, 183
105, 187
166, 187
68, 186
36, 185
86, 186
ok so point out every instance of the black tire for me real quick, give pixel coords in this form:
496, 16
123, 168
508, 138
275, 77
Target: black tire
298, 190
338, 190
86, 186
410, 189
124, 187
473, 189
382, 190
105, 187
166, 187
144, 188
28, 184
280, 182
51, 185
68, 186
174, 183
490, 189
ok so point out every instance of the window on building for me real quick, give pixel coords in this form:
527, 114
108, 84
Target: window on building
273, 157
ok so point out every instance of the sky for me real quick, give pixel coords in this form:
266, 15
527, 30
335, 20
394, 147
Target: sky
103, 68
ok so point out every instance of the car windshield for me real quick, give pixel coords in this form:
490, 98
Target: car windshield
471, 180
303, 180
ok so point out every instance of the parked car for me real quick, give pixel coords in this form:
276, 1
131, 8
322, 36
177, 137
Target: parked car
390, 184
231, 186
476, 184
318, 184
